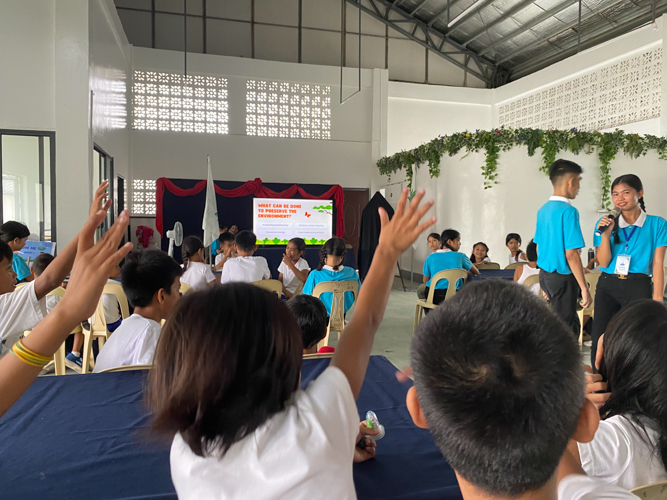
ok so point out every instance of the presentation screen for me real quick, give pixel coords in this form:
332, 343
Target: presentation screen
276, 221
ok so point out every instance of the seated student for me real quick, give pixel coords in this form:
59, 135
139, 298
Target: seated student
15, 235
241, 426
448, 257
234, 229
498, 381
630, 446
226, 249
480, 253
293, 269
150, 279
513, 243
434, 242
215, 246
22, 309
331, 268
530, 269
245, 267
311, 316
196, 272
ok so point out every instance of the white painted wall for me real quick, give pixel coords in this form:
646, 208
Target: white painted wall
27, 90
345, 159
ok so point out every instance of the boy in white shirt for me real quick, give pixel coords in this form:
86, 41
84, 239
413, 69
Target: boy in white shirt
22, 309
226, 249
151, 281
246, 267
498, 381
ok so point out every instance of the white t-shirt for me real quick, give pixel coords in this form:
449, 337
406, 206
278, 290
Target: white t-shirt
111, 306
19, 311
518, 258
51, 302
133, 343
246, 269
578, 487
290, 280
304, 452
198, 275
527, 271
620, 454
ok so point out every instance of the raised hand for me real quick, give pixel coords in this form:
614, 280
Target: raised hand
404, 227
99, 202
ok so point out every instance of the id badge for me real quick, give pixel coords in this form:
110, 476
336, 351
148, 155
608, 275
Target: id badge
622, 265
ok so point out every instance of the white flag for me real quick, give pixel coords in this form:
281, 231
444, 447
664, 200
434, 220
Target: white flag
210, 222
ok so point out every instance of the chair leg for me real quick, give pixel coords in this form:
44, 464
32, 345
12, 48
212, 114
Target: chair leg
59, 360
581, 327
87, 352
414, 326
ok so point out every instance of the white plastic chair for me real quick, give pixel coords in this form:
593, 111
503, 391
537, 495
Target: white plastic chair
655, 491
337, 314
452, 276
274, 286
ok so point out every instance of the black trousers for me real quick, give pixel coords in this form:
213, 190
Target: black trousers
563, 293
438, 297
611, 295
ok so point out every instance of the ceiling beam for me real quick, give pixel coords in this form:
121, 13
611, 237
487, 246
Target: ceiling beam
437, 15
474, 9
599, 35
435, 40
556, 32
534, 22
419, 6
504, 17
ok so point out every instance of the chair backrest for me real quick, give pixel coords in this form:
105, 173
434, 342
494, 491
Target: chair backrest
185, 288
59, 291
514, 265
452, 276
270, 285
127, 368
488, 265
299, 289
318, 355
98, 323
338, 289
656, 491
592, 281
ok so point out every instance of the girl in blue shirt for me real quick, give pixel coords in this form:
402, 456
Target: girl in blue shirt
331, 268
448, 257
15, 235
630, 249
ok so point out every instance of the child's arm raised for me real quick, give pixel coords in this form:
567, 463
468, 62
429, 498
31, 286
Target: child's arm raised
58, 270
91, 270
396, 236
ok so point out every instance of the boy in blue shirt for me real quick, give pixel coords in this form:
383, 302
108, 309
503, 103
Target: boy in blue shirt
558, 236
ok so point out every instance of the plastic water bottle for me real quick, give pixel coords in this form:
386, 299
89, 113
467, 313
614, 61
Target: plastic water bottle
591, 255
372, 422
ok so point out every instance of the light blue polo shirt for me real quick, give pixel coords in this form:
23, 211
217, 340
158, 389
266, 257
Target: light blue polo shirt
20, 268
557, 231
650, 234
443, 260
328, 274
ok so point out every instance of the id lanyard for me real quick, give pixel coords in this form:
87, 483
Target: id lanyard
627, 238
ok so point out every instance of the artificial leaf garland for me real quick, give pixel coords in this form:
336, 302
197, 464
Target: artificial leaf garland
552, 142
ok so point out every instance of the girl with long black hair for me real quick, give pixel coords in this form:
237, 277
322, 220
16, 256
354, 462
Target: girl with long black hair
631, 251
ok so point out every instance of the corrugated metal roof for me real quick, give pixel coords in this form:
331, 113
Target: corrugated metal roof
523, 36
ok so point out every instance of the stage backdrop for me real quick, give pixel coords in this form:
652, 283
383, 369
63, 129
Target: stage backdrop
189, 208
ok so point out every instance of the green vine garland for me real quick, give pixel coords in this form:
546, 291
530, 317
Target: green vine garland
552, 142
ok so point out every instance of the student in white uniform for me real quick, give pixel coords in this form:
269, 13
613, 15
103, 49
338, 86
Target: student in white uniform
150, 279
22, 309
225, 249
503, 396
530, 269
245, 267
241, 366
513, 244
196, 272
294, 268
630, 446
631, 254
480, 253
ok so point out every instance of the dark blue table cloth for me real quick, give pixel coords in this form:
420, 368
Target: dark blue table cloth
487, 274
87, 437
274, 256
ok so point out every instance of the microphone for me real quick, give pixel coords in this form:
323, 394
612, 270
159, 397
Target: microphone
613, 213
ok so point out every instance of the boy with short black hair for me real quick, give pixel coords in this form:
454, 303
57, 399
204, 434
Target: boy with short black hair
312, 318
150, 280
499, 383
245, 267
226, 249
558, 237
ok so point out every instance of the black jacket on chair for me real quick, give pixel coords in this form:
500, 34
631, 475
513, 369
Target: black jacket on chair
369, 233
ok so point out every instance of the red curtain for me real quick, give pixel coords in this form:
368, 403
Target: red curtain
251, 187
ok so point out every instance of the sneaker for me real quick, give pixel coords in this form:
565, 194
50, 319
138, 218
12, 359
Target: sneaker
74, 362
588, 343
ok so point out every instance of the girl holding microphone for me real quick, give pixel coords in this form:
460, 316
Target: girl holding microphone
630, 249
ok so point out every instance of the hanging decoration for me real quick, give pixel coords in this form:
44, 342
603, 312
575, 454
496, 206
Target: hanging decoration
552, 142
